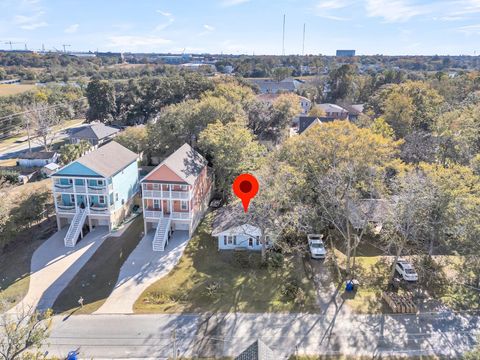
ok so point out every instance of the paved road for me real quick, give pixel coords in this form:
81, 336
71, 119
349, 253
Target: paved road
14, 150
142, 268
150, 336
53, 266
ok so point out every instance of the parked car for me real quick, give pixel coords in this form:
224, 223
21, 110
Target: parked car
316, 246
406, 270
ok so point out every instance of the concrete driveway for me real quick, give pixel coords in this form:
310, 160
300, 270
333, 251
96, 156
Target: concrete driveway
142, 268
53, 266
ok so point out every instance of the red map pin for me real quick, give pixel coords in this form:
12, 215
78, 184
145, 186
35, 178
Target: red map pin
245, 187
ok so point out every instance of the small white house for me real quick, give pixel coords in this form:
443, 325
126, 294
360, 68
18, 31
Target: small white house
50, 169
232, 234
37, 159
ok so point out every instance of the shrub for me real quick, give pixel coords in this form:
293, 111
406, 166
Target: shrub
275, 260
212, 288
291, 289
9, 176
243, 259
157, 298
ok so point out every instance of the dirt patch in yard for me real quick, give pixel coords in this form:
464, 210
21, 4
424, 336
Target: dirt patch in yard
97, 278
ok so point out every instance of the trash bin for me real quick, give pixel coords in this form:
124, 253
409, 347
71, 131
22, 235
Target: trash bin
349, 286
72, 355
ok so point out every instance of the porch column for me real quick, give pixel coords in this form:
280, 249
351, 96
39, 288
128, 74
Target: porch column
59, 224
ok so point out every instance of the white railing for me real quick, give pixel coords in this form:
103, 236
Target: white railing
180, 215
80, 189
97, 210
181, 195
97, 190
66, 209
153, 214
60, 188
174, 215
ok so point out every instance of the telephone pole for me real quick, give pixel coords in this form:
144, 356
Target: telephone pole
283, 37
174, 337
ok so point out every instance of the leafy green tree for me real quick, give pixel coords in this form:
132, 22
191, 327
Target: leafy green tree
341, 164
101, 101
281, 73
317, 111
341, 83
232, 150
133, 138
412, 105
71, 152
285, 108
380, 127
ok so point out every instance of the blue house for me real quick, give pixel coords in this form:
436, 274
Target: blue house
97, 189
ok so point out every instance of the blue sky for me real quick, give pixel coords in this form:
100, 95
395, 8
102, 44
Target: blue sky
388, 27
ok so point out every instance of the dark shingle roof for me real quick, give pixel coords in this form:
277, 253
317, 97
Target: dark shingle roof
95, 131
38, 155
304, 122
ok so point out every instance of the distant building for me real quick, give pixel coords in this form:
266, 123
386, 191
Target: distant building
95, 134
345, 53
305, 122
268, 86
50, 169
37, 159
333, 111
305, 103
354, 111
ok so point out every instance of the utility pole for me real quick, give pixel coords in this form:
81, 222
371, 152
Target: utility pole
28, 134
64, 47
283, 38
174, 336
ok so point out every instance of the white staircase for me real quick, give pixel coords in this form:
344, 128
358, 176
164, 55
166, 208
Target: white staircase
161, 234
75, 227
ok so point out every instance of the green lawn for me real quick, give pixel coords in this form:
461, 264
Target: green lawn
208, 280
15, 262
96, 279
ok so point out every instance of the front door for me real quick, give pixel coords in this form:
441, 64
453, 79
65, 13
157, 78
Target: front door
166, 207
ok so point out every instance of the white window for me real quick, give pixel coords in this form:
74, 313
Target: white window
267, 240
72, 198
155, 186
156, 204
184, 205
258, 241
101, 199
116, 196
184, 187
230, 240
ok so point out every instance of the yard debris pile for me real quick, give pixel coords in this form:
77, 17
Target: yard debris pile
402, 304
